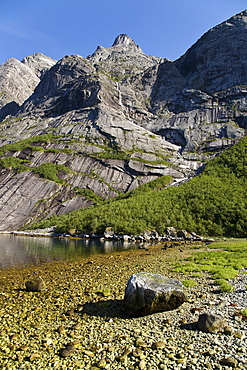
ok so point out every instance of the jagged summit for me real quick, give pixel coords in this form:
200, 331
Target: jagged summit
124, 40
122, 57
123, 44
38, 63
19, 79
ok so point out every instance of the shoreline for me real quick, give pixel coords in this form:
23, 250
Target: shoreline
82, 306
113, 237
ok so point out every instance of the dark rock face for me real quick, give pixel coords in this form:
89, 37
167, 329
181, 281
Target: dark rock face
68, 85
119, 118
148, 293
217, 61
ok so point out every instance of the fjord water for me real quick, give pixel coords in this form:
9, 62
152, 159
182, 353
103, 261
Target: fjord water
26, 250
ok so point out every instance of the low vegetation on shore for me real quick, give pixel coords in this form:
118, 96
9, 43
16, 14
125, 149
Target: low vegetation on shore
223, 262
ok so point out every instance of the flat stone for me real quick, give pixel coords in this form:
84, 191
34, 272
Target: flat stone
159, 345
67, 351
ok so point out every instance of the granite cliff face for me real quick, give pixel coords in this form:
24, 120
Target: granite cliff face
84, 129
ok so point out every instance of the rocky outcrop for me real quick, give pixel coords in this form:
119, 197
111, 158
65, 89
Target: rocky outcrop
116, 120
147, 293
19, 79
17, 82
21, 196
200, 130
70, 84
39, 63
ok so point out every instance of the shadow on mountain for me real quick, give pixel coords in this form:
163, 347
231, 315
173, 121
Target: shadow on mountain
9, 109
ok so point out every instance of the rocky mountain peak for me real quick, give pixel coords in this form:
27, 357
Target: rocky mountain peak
123, 58
125, 41
17, 82
39, 63
123, 45
242, 15
238, 21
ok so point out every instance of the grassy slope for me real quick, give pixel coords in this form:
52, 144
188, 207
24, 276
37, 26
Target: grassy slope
213, 203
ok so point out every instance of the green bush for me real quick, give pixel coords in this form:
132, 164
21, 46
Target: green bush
154, 185
89, 195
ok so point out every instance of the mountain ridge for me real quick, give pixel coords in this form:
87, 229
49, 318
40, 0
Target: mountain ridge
115, 120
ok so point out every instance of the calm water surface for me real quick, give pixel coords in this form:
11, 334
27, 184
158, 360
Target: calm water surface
26, 250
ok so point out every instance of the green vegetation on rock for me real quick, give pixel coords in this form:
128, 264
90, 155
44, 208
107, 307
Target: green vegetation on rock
26, 143
89, 195
50, 171
14, 163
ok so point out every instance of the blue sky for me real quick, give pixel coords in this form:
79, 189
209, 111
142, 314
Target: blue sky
165, 28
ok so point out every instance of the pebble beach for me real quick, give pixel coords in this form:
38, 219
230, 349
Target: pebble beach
79, 322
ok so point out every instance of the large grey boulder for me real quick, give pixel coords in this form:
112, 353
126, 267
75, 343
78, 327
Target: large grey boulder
147, 293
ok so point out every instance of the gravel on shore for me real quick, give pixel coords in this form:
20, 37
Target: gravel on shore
78, 321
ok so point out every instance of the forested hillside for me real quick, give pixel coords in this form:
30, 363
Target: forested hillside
213, 203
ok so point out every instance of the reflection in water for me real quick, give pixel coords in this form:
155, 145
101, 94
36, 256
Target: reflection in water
25, 250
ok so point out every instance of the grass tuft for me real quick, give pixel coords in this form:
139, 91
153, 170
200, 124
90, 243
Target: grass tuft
224, 286
189, 283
